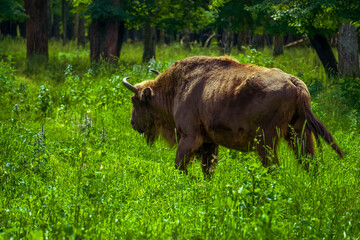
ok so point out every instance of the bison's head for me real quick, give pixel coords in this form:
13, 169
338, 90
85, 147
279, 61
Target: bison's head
142, 119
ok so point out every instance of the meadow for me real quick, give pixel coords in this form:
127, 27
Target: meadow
72, 167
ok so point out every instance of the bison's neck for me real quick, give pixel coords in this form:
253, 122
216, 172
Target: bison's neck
163, 103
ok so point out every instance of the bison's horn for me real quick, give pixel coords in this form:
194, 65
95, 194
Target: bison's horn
156, 72
129, 86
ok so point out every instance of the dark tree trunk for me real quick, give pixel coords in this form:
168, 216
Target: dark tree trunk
121, 34
161, 37
326, 55
258, 41
64, 23
36, 28
241, 40
226, 41
149, 43
104, 37
348, 51
55, 26
278, 47
70, 26
104, 40
97, 39
81, 32
76, 25
186, 38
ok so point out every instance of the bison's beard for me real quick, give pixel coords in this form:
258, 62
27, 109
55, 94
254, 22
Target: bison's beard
151, 134
168, 134
150, 138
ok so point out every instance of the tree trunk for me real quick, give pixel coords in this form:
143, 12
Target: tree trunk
226, 41
104, 40
81, 32
55, 26
104, 37
258, 42
348, 51
323, 50
97, 40
76, 25
149, 43
186, 38
64, 25
121, 34
241, 42
278, 48
69, 25
161, 37
37, 28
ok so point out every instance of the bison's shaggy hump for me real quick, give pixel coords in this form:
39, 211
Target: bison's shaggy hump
212, 101
196, 64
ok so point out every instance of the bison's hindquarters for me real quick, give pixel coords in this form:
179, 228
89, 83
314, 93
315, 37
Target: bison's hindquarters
305, 123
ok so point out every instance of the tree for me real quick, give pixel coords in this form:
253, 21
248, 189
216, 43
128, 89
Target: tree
172, 16
348, 48
348, 51
11, 13
149, 43
191, 16
37, 28
232, 16
107, 29
79, 9
317, 19
64, 22
55, 12
146, 14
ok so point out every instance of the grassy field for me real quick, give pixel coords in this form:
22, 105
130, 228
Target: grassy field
72, 167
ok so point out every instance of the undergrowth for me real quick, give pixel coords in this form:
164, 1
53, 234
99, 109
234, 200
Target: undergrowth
72, 167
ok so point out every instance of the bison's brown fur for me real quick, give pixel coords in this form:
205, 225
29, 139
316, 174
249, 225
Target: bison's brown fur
212, 101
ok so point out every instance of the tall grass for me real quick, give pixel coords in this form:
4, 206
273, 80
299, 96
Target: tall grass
72, 167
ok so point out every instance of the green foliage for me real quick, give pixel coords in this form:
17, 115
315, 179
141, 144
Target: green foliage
171, 15
71, 166
7, 80
12, 10
232, 15
252, 56
106, 9
310, 16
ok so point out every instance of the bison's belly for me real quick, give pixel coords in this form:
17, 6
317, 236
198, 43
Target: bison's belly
238, 139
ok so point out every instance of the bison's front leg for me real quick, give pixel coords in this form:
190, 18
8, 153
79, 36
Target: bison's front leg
186, 149
209, 153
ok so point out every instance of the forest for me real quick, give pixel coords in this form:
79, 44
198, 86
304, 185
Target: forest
72, 166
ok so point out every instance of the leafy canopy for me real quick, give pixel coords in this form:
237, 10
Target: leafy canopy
12, 10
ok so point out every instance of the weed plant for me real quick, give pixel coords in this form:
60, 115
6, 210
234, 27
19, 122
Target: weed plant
71, 166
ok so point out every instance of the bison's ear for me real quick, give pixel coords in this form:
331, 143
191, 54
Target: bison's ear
146, 94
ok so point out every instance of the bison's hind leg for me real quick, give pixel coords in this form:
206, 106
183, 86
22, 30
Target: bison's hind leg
301, 141
266, 147
209, 160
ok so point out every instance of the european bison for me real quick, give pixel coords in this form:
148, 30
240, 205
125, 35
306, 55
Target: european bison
204, 102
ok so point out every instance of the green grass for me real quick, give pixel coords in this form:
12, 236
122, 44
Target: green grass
72, 167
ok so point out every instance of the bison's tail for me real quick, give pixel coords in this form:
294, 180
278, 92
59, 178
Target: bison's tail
312, 122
